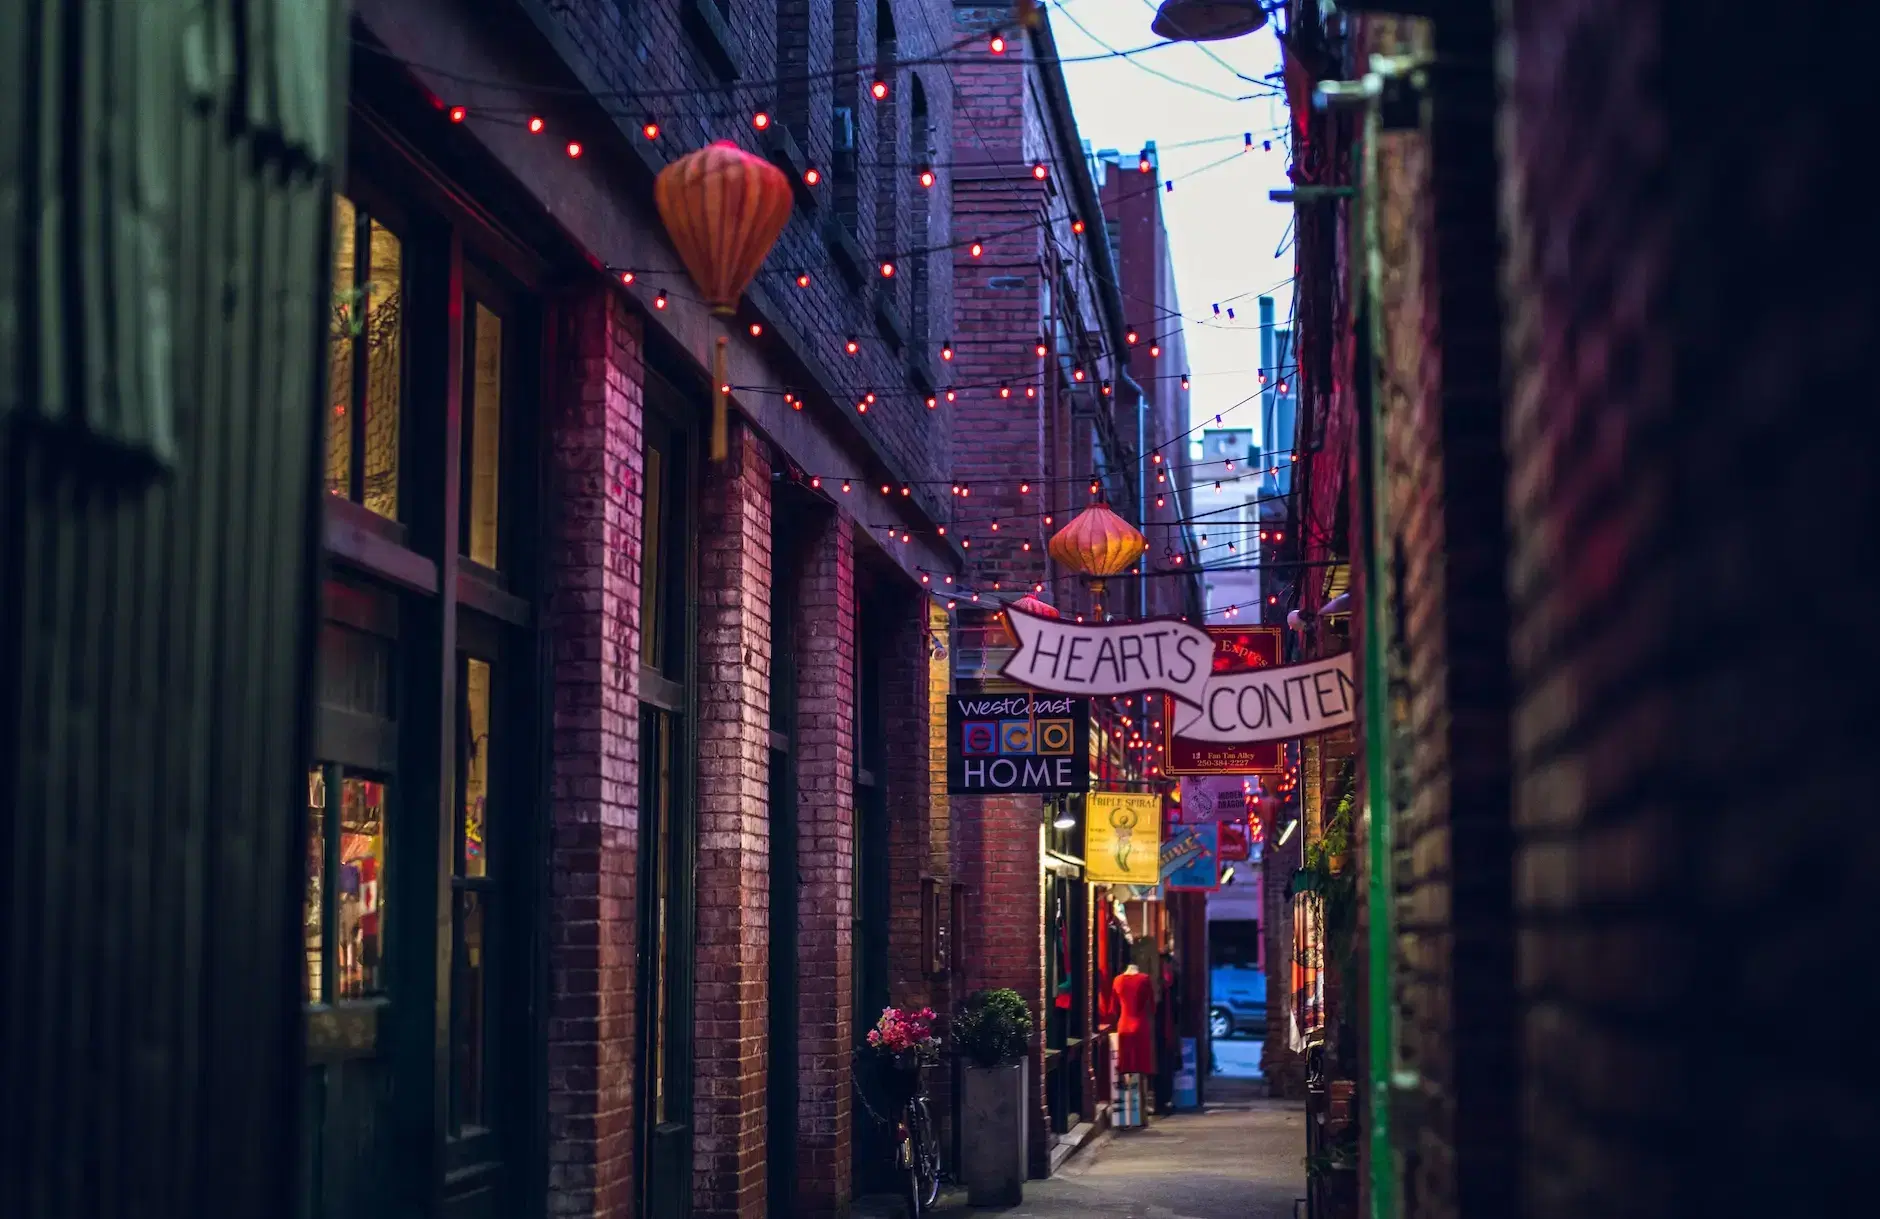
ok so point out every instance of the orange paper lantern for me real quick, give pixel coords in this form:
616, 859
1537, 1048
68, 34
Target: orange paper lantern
723, 208
1099, 544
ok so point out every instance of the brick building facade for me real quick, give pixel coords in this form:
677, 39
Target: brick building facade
1041, 315
688, 839
1553, 591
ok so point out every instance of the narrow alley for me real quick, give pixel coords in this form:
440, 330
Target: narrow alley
864, 609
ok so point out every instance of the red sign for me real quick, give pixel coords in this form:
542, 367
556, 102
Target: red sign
1234, 844
1237, 649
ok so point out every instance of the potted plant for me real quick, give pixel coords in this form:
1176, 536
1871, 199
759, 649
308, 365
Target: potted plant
992, 1034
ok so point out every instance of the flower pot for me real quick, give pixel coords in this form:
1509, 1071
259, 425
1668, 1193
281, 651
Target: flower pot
994, 1148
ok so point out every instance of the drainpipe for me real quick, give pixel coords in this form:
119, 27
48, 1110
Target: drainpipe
1388, 83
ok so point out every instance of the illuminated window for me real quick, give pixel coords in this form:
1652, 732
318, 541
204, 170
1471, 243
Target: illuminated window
365, 360
483, 432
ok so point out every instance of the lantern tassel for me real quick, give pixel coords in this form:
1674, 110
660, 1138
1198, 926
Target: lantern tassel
721, 375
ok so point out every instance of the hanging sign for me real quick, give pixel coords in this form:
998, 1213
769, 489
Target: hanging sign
1018, 744
1271, 704
1208, 798
1236, 845
1191, 858
1237, 650
1122, 838
1158, 656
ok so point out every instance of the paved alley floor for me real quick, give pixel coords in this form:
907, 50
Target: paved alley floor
1244, 1158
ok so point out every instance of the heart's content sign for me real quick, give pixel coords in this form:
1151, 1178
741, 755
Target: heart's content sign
1122, 838
1237, 650
1017, 743
1160, 656
1271, 704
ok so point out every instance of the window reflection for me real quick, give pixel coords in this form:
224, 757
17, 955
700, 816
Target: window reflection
343, 325
313, 916
469, 1100
476, 781
359, 890
486, 430
384, 341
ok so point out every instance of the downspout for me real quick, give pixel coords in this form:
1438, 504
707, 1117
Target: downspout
1380, 923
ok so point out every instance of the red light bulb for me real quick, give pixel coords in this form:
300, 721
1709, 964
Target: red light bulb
458, 114
812, 175
760, 120
535, 126
879, 89
650, 130
574, 149
997, 44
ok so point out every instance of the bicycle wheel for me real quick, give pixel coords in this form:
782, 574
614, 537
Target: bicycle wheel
926, 1148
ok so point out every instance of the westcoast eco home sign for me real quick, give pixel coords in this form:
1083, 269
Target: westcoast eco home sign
1021, 743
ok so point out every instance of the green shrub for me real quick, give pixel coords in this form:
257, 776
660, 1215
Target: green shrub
993, 1028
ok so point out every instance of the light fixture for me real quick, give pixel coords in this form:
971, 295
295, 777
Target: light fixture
1227, 875
1064, 820
1290, 827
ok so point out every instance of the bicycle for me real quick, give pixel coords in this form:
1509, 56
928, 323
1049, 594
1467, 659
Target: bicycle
916, 1142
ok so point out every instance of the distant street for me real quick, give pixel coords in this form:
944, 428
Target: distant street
1237, 1058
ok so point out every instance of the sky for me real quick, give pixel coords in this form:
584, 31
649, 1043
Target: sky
1223, 230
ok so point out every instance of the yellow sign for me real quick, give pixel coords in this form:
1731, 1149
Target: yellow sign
1122, 838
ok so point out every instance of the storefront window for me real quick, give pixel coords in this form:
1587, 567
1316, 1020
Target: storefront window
483, 435
359, 890
472, 895
365, 360
313, 912
476, 780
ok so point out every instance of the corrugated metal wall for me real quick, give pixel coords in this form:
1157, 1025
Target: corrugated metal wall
165, 170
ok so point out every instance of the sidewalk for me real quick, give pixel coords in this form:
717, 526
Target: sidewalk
1242, 1159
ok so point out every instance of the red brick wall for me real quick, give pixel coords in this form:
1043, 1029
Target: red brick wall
593, 623
643, 49
1689, 429
825, 782
733, 859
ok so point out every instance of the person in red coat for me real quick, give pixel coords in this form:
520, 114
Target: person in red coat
1135, 1023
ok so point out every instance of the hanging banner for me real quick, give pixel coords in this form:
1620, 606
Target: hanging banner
1159, 656
1017, 744
1122, 837
1237, 650
1271, 704
1191, 858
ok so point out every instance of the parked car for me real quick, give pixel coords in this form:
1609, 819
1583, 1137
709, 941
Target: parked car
1237, 1001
